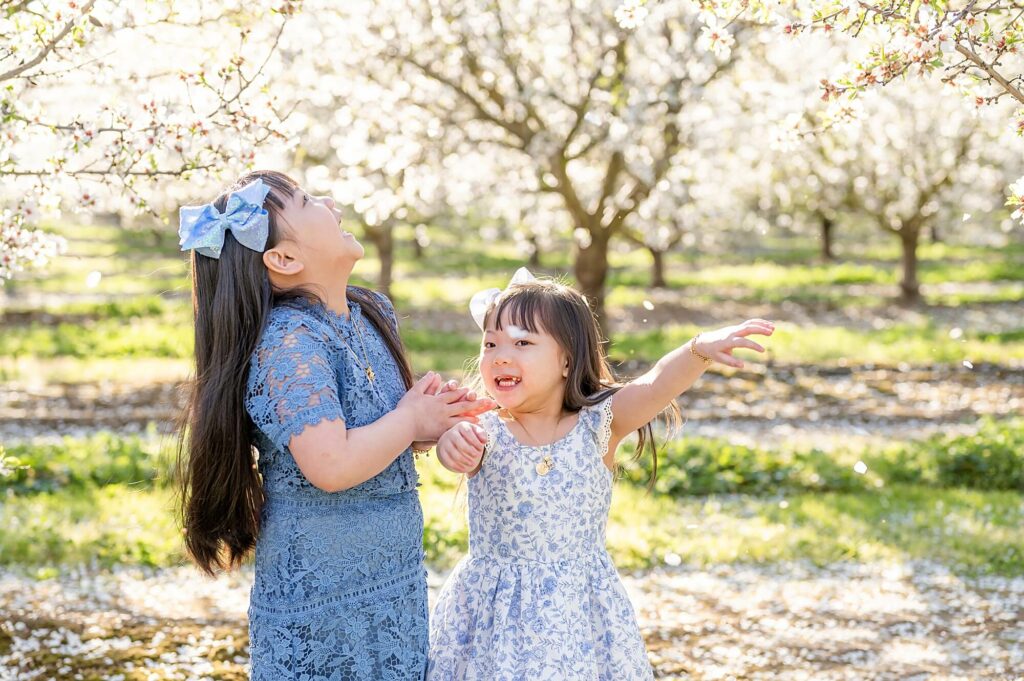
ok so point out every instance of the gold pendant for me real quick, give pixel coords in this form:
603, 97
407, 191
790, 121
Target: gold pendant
545, 466
370, 375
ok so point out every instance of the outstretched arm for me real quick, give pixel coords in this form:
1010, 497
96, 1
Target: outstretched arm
642, 399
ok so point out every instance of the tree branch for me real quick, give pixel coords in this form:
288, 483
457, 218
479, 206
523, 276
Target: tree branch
992, 73
48, 47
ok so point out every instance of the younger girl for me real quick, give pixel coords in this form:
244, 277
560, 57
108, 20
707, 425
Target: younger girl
310, 372
538, 597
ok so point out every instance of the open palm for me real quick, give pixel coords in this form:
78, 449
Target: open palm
718, 345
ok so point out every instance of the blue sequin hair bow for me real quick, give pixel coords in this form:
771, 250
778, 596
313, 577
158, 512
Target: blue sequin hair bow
202, 228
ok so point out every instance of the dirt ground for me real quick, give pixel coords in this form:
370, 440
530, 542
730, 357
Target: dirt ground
912, 621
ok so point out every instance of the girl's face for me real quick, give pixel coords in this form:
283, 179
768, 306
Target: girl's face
313, 223
522, 371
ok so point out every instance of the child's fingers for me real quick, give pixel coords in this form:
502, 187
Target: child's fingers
423, 385
472, 459
465, 449
745, 343
481, 434
474, 407
471, 435
453, 396
448, 386
728, 360
755, 326
473, 442
451, 401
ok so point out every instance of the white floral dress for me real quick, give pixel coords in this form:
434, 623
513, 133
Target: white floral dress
538, 596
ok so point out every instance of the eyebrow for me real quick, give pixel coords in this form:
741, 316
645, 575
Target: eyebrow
505, 330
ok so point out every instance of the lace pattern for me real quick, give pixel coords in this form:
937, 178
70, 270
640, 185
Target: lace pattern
340, 589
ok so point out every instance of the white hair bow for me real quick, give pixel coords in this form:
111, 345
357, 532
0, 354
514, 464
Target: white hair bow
482, 300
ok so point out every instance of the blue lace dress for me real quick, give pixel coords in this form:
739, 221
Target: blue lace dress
538, 597
340, 589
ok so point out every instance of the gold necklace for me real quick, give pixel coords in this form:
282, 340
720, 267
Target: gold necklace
545, 465
371, 375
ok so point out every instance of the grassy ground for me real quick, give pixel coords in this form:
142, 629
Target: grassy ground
88, 581
170, 336
104, 500
140, 263
131, 323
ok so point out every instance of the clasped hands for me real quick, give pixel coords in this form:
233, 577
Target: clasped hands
455, 394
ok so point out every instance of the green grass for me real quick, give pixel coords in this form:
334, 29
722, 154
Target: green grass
102, 338
170, 336
970, 530
991, 459
106, 499
125, 370
125, 308
99, 460
457, 264
791, 343
111, 525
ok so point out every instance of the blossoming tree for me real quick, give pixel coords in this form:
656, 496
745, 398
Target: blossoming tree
566, 102
974, 46
101, 102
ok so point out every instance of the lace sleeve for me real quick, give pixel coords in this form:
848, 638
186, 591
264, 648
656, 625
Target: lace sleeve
488, 421
604, 434
600, 421
291, 384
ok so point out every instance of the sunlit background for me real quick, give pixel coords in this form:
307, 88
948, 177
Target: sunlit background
847, 506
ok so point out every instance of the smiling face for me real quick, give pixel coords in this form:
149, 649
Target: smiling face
522, 370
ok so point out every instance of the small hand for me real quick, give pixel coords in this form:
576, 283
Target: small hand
461, 448
474, 406
433, 412
718, 345
421, 445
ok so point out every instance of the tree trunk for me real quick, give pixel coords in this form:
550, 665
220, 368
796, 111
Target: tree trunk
417, 245
910, 288
827, 226
534, 263
383, 239
657, 268
934, 236
591, 270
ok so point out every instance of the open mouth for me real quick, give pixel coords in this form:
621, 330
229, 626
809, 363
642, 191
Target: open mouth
507, 382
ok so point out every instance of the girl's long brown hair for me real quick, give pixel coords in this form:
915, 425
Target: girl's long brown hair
563, 312
221, 492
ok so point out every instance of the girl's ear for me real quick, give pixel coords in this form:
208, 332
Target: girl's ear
280, 260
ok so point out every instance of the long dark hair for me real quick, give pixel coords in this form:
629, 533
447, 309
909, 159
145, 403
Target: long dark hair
563, 312
221, 491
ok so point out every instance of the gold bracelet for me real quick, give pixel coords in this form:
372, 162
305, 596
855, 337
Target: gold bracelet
693, 351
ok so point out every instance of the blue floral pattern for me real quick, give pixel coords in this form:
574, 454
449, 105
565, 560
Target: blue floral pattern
538, 597
340, 588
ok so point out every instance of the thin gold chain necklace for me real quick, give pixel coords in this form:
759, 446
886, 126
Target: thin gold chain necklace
371, 375
545, 465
